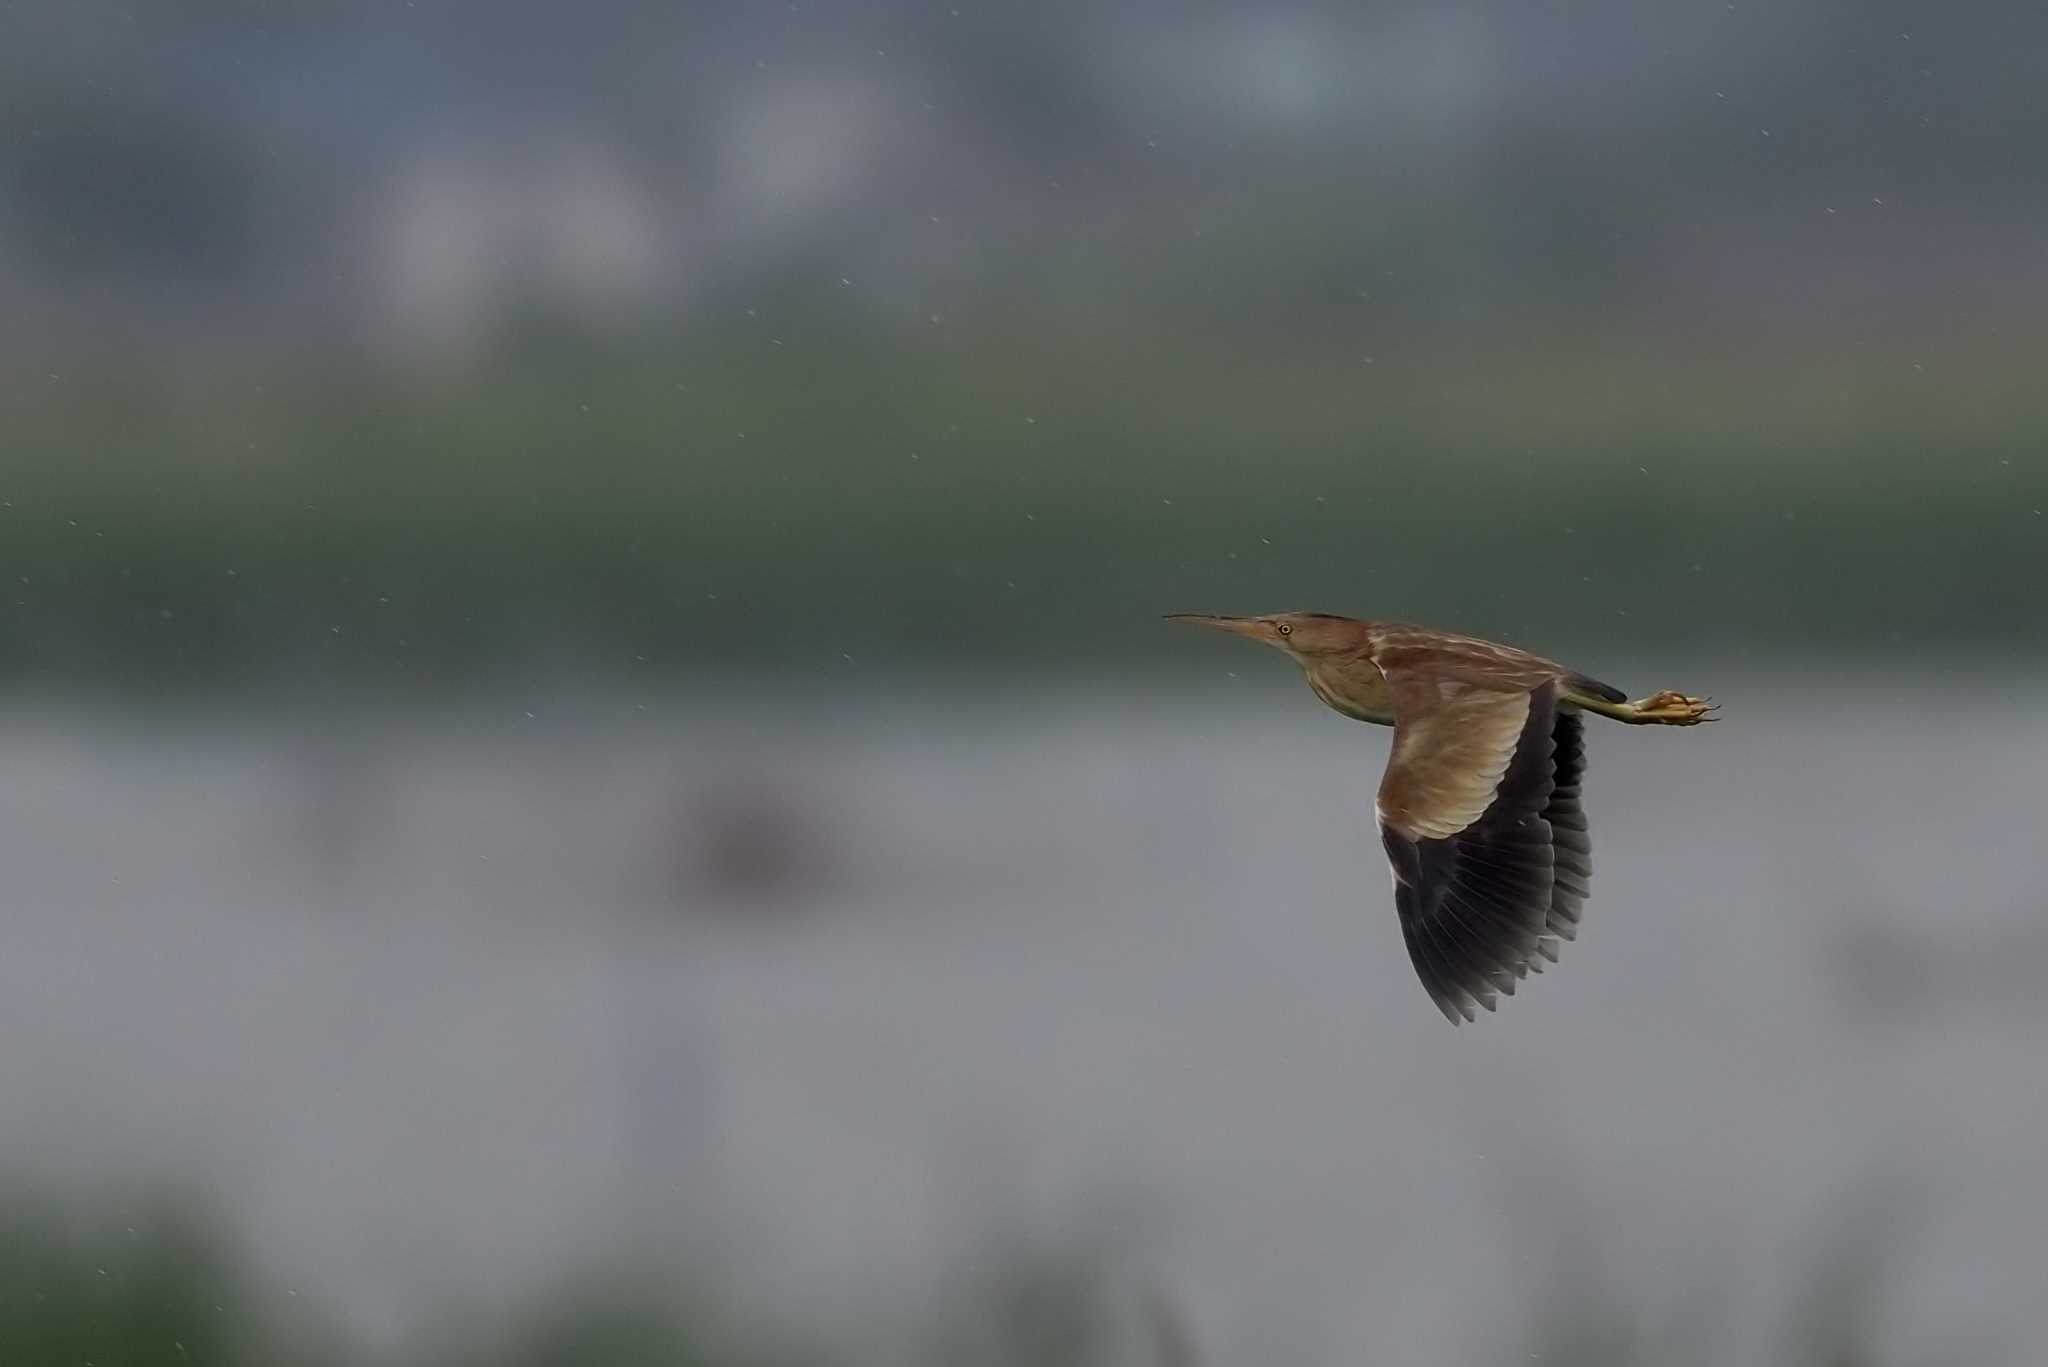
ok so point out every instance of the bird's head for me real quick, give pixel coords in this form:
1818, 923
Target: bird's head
1303, 635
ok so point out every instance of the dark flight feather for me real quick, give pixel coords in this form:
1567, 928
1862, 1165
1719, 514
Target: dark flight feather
1478, 908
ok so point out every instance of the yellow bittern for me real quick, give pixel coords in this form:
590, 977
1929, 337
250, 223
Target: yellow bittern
1479, 806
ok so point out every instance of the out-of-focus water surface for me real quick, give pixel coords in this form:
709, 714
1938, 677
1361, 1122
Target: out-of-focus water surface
835, 991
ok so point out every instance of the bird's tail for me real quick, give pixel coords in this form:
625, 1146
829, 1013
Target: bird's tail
1581, 683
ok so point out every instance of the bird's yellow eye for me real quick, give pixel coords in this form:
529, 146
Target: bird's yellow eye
1284, 629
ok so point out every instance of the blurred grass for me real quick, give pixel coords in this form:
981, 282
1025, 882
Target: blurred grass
155, 1277
796, 498
120, 1281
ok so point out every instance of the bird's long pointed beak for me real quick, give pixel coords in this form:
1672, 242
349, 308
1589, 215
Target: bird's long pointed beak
1236, 626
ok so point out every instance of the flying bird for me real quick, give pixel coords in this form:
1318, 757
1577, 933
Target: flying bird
1479, 806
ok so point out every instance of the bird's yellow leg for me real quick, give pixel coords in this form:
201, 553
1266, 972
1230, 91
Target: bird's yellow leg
1659, 709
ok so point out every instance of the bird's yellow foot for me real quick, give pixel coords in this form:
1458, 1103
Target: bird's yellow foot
1673, 709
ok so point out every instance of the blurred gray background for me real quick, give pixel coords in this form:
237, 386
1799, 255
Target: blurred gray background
595, 777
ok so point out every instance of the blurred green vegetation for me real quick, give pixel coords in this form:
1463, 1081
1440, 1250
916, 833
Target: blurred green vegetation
803, 499
155, 1278
120, 1282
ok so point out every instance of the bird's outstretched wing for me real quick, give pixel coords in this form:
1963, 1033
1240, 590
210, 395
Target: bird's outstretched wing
1479, 812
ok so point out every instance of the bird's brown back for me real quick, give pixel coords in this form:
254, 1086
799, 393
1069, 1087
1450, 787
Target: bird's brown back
1420, 652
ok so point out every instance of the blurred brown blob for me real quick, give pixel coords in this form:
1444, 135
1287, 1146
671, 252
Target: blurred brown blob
747, 843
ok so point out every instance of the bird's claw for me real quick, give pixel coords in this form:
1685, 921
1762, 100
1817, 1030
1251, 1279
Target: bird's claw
1676, 709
